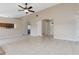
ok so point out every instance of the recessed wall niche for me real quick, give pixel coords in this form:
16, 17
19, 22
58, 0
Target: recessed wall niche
7, 25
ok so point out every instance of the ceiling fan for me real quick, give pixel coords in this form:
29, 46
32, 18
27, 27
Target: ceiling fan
26, 9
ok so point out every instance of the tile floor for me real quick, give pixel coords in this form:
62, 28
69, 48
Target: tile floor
42, 46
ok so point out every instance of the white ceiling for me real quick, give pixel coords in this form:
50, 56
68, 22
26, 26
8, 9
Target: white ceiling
10, 10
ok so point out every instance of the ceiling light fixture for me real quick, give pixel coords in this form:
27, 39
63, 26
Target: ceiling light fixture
26, 9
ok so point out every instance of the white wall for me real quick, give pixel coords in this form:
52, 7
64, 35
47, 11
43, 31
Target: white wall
64, 23
63, 17
7, 33
51, 28
77, 28
36, 28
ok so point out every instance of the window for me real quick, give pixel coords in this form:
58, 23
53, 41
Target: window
7, 25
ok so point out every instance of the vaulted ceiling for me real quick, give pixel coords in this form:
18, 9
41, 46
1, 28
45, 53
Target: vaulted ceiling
10, 10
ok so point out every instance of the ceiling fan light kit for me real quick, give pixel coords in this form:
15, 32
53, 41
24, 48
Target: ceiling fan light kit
26, 9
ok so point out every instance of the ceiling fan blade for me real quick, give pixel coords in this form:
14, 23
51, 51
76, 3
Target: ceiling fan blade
21, 7
20, 10
30, 7
31, 11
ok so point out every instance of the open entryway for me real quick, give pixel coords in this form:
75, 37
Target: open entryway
47, 28
28, 28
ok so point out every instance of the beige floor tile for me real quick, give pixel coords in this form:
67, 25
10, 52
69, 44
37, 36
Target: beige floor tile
42, 45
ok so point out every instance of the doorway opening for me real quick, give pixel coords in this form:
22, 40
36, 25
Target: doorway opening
47, 27
29, 29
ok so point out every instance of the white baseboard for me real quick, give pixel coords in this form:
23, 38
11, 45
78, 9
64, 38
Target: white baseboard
68, 39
